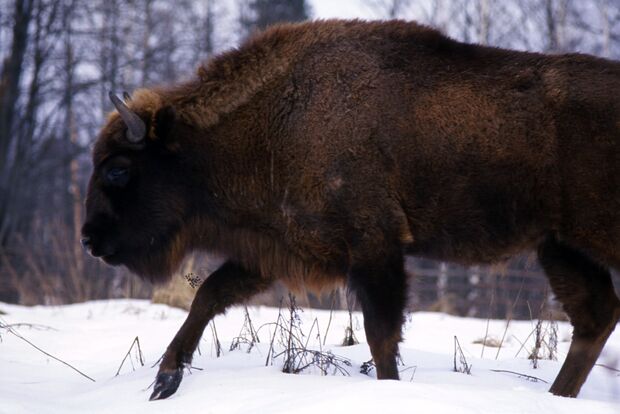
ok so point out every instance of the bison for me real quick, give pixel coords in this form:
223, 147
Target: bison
322, 153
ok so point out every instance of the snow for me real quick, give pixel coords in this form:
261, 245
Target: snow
95, 336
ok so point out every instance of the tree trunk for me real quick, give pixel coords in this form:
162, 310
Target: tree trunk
10, 77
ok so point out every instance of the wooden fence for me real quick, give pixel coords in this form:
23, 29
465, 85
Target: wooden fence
517, 289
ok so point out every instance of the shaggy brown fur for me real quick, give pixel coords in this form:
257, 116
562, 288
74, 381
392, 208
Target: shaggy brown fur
323, 152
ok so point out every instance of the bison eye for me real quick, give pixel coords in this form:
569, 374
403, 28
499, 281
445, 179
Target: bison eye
117, 176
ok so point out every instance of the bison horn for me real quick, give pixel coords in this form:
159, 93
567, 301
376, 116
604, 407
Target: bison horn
136, 130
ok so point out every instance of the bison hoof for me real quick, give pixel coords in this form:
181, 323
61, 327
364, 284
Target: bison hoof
166, 384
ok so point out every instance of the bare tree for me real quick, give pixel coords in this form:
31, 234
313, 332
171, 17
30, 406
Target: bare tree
555, 17
10, 77
603, 7
258, 14
390, 9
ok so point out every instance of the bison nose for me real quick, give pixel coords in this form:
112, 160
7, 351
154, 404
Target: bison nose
86, 243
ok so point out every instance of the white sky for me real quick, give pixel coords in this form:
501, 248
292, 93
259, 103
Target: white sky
324, 9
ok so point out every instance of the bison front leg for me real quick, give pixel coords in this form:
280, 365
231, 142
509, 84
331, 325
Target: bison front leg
230, 284
380, 287
587, 295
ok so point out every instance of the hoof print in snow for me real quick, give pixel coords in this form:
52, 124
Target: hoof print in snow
166, 384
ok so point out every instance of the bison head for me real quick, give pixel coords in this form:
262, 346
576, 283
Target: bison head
136, 205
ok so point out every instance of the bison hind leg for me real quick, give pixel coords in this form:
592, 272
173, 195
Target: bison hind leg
586, 292
380, 288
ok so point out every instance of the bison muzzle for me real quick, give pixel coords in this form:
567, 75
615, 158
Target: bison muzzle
322, 153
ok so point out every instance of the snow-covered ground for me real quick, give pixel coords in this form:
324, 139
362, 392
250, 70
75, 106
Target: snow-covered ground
94, 337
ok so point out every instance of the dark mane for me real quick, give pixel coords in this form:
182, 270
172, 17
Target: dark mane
230, 79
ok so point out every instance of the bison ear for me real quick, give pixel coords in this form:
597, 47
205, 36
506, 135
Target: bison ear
163, 123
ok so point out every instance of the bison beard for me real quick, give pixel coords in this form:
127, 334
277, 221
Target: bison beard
322, 153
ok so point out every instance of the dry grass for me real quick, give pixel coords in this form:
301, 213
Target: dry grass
488, 342
460, 362
176, 293
289, 343
51, 268
180, 291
